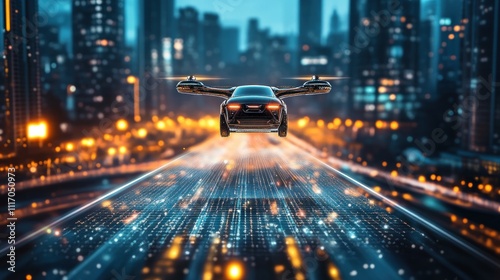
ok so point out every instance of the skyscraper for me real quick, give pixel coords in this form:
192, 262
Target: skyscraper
481, 100
211, 42
440, 48
310, 22
312, 57
22, 97
155, 45
229, 42
54, 62
384, 60
98, 42
188, 30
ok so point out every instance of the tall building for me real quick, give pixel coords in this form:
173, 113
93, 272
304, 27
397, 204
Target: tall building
211, 43
22, 97
98, 43
312, 57
54, 62
481, 99
188, 47
440, 48
230, 42
383, 68
255, 58
310, 22
156, 33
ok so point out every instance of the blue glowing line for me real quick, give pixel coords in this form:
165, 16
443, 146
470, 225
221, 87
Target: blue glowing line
90, 204
412, 215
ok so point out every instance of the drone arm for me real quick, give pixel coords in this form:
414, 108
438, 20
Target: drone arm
198, 88
291, 92
309, 88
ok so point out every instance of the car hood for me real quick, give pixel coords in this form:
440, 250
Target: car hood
253, 99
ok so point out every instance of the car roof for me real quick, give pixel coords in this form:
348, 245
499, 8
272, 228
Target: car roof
254, 86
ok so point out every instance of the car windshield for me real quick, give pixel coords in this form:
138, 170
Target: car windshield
253, 91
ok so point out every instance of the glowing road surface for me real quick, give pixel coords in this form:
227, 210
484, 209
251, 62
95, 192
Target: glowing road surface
245, 207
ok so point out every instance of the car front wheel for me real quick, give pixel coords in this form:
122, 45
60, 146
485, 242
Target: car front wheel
224, 129
283, 128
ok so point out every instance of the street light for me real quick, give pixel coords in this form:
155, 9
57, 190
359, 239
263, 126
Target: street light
142, 132
135, 81
121, 124
37, 130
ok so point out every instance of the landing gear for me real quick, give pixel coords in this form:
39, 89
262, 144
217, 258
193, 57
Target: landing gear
224, 129
283, 128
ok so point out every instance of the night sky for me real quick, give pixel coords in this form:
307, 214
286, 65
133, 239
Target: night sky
281, 16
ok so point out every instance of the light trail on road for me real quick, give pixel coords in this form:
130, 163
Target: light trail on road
246, 207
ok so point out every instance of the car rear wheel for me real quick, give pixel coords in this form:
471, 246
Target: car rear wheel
224, 129
283, 128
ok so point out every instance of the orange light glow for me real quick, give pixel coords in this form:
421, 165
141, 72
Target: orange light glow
142, 132
272, 106
358, 124
37, 130
131, 79
7, 15
234, 106
348, 122
379, 124
394, 125
234, 271
122, 124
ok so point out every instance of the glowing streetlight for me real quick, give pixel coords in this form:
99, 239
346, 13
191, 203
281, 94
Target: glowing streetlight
234, 271
37, 130
111, 151
122, 150
394, 125
348, 122
137, 111
142, 132
122, 124
70, 147
88, 142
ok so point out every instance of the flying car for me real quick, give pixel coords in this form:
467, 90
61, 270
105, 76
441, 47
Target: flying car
253, 108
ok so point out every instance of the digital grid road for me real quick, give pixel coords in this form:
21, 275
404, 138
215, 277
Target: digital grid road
246, 207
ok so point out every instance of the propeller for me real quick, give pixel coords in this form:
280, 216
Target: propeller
193, 78
316, 77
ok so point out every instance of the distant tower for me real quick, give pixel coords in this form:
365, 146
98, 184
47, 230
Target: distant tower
188, 32
312, 57
230, 38
211, 42
98, 44
384, 68
310, 22
156, 42
22, 97
481, 76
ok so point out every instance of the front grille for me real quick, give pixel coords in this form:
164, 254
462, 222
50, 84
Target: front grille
253, 108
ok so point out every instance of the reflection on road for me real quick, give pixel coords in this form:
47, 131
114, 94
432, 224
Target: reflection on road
245, 208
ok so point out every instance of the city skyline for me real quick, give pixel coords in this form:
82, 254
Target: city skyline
161, 145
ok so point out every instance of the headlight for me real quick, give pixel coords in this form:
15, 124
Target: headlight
273, 107
233, 107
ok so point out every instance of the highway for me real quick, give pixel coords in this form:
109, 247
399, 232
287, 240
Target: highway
252, 206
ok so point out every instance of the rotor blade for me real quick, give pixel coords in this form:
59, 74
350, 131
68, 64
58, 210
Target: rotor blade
198, 78
308, 78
